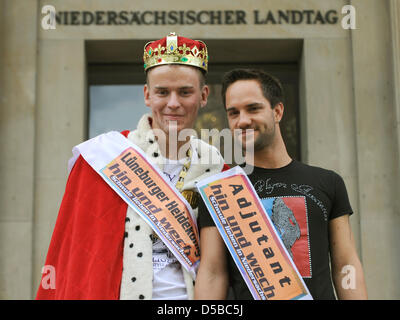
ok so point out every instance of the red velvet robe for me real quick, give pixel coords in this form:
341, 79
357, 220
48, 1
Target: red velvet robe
87, 244
86, 248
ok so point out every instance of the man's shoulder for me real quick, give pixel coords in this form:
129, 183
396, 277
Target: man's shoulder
202, 144
314, 169
204, 149
293, 168
320, 173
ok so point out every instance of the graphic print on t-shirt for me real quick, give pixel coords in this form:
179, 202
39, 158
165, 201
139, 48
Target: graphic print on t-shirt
289, 215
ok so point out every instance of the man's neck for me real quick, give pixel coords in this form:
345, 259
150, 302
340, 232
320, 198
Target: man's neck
271, 157
269, 161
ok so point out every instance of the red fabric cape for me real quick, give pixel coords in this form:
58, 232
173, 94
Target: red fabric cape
86, 248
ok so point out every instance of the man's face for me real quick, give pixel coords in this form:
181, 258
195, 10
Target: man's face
174, 95
247, 108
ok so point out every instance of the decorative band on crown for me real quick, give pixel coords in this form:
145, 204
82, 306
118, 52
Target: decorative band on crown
175, 50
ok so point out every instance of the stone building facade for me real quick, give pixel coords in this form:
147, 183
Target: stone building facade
343, 75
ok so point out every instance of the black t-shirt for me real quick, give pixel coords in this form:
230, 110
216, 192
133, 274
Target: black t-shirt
300, 200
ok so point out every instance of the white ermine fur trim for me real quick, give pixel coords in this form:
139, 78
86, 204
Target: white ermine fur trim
137, 274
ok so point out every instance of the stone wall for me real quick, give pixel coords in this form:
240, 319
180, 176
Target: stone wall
349, 113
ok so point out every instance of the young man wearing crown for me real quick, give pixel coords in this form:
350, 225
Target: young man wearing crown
101, 248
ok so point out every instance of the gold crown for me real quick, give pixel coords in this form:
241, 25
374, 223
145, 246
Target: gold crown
175, 50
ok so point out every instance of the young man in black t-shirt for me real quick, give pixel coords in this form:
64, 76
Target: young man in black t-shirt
309, 206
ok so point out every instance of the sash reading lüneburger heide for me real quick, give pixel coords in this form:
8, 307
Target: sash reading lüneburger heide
251, 238
130, 173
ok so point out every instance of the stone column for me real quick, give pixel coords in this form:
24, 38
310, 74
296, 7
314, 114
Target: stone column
18, 38
327, 114
62, 92
377, 145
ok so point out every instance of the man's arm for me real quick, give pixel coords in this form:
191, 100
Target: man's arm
212, 277
351, 284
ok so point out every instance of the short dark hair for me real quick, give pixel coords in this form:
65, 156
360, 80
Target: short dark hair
202, 74
271, 87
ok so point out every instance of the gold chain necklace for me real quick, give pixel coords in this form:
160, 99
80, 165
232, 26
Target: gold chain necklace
184, 170
190, 195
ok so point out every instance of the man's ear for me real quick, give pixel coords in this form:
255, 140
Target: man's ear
205, 91
146, 91
278, 111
